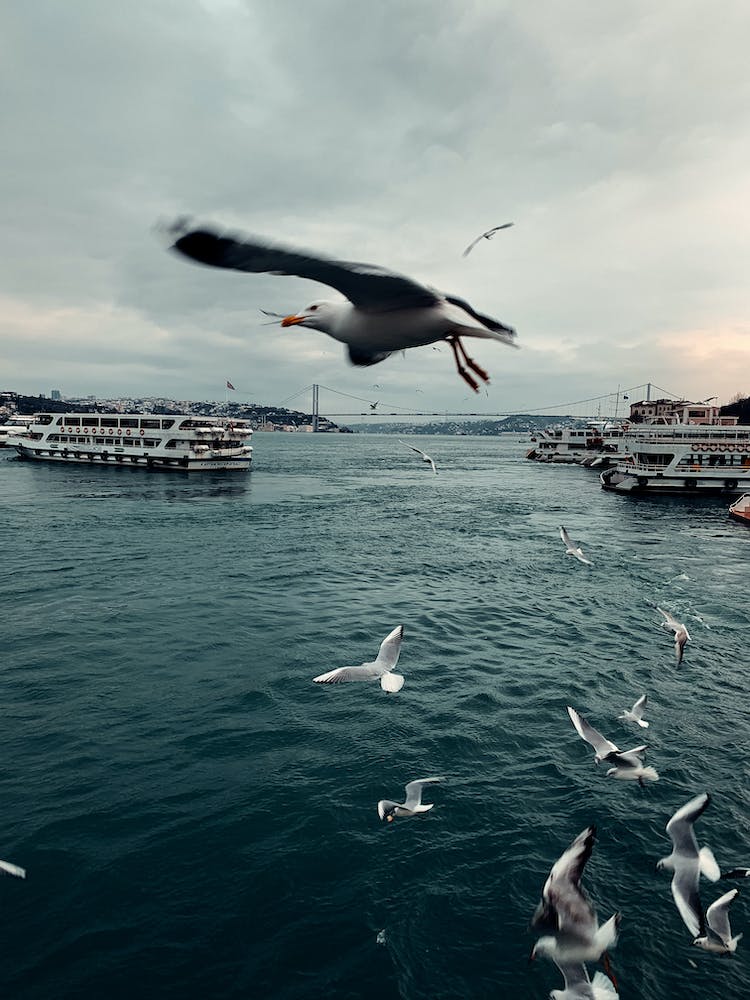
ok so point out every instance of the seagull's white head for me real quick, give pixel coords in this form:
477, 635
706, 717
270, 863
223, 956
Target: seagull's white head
318, 315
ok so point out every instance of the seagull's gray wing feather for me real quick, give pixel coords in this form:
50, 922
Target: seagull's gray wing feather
680, 826
687, 898
414, 791
365, 285
365, 672
576, 978
564, 907
390, 648
602, 746
567, 539
640, 706
717, 915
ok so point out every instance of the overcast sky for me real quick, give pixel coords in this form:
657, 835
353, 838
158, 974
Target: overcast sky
615, 136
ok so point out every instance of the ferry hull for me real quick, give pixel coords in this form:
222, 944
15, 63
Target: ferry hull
155, 464
619, 481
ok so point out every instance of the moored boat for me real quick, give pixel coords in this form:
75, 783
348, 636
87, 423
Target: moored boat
682, 458
11, 427
159, 441
740, 509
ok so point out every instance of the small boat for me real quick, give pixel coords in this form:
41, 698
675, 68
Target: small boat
740, 509
11, 427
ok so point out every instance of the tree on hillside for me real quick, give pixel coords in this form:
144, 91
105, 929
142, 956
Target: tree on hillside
738, 407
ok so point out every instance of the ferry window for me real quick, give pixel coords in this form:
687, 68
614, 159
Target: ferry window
93, 421
165, 424
150, 424
99, 440
109, 421
70, 419
44, 418
127, 442
61, 420
128, 422
149, 442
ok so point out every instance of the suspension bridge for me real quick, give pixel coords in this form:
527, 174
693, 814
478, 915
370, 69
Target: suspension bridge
605, 405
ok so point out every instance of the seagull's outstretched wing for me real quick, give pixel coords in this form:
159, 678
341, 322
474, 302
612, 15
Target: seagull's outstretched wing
670, 621
717, 916
412, 448
567, 539
390, 649
414, 791
485, 236
602, 746
680, 826
12, 869
364, 672
564, 907
365, 285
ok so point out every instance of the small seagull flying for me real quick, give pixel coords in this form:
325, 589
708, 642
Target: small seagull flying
425, 456
373, 405
688, 863
627, 764
681, 634
635, 714
385, 313
718, 937
388, 810
573, 548
380, 668
485, 236
567, 912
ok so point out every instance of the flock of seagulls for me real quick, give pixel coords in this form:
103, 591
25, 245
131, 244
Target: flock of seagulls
572, 935
385, 312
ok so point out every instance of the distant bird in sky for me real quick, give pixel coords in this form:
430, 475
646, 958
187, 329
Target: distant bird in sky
635, 714
681, 634
573, 548
567, 912
381, 668
718, 937
373, 405
688, 863
12, 869
425, 456
386, 312
388, 810
485, 236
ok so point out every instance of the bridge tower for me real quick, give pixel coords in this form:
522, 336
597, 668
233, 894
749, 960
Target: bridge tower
315, 408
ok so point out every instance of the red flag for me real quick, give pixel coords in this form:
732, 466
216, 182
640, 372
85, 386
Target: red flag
230, 386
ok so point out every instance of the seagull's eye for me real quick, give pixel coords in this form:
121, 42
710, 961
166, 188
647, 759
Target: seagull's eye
313, 308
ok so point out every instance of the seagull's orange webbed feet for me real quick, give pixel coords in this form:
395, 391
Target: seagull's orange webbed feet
461, 358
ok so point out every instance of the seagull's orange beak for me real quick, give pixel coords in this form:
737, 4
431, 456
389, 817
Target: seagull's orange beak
292, 320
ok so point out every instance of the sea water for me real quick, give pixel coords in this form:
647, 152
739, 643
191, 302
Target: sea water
198, 819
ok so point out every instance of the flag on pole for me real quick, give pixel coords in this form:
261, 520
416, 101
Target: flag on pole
230, 386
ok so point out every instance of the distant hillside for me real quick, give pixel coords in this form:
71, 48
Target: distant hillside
739, 408
517, 424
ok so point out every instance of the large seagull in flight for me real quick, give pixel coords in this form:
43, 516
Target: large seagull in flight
385, 312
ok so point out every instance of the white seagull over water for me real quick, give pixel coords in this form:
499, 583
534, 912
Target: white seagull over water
385, 312
485, 236
388, 810
567, 912
425, 456
718, 937
381, 668
578, 986
688, 863
681, 634
12, 869
573, 548
635, 714
627, 764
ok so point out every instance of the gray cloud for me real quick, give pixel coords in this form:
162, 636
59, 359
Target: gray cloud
616, 139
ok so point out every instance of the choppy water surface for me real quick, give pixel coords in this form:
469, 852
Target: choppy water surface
198, 819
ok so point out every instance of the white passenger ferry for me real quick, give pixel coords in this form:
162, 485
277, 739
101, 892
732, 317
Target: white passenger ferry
679, 458
153, 441
596, 444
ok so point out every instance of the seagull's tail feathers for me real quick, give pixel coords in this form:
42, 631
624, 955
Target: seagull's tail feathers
391, 682
649, 774
642, 724
603, 988
708, 865
733, 942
